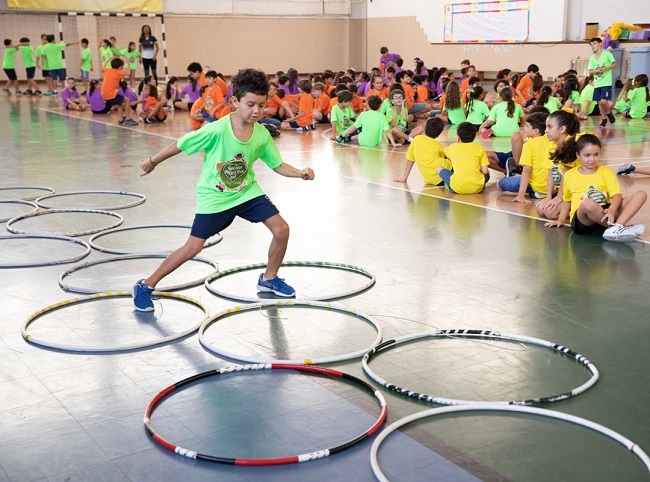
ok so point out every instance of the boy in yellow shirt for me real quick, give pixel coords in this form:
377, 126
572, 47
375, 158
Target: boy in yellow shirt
427, 153
534, 162
469, 161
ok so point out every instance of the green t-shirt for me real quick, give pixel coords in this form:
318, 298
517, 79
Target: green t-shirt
587, 94
478, 112
456, 116
9, 60
504, 125
87, 57
373, 125
53, 56
27, 52
621, 104
39, 52
132, 55
606, 59
105, 53
385, 106
227, 178
343, 118
553, 104
401, 123
638, 102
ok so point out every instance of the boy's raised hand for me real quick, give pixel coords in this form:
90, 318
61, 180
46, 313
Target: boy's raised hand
307, 174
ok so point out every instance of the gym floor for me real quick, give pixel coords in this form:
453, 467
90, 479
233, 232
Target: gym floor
441, 261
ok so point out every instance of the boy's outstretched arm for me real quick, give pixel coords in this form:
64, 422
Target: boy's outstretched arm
287, 170
149, 164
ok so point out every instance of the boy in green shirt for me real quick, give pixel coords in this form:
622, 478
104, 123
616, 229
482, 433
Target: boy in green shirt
227, 187
86, 64
601, 64
52, 56
41, 65
8, 65
370, 127
27, 52
342, 114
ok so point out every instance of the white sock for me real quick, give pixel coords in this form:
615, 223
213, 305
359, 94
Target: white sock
410, 139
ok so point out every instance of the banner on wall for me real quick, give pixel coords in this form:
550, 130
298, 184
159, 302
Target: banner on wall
128, 6
501, 21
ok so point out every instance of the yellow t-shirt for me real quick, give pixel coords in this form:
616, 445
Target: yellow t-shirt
535, 154
428, 154
467, 159
599, 186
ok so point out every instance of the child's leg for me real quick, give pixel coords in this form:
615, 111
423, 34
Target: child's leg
509, 185
191, 248
398, 134
590, 212
132, 79
630, 206
280, 231
517, 141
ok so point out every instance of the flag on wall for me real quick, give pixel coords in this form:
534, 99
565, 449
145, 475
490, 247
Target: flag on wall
129, 6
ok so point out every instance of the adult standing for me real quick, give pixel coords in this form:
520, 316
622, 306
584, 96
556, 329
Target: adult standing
148, 51
601, 64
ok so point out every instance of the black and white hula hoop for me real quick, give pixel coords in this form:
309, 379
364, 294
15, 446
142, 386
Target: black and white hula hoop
320, 264
480, 334
290, 303
292, 459
139, 199
500, 408
180, 286
26, 188
119, 347
33, 264
82, 232
17, 201
92, 241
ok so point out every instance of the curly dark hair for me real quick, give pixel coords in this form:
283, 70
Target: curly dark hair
249, 80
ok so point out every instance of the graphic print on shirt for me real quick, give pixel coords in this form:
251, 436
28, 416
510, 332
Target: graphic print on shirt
595, 195
232, 174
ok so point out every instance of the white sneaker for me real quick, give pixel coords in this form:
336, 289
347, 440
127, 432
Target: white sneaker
620, 234
638, 229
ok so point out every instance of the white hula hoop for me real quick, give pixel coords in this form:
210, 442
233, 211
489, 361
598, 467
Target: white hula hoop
290, 303
82, 232
17, 201
320, 264
92, 241
35, 188
121, 347
85, 253
480, 334
140, 198
180, 286
500, 408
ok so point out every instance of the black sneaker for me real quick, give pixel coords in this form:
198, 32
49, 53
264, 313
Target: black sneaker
611, 117
511, 167
38, 92
272, 130
626, 169
603, 123
29, 92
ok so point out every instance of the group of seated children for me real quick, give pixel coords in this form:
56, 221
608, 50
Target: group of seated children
559, 165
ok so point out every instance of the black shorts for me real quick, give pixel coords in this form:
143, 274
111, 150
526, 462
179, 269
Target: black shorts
31, 71
117, 100
105, 110
46, 73
580, 228
257, 210
11, 74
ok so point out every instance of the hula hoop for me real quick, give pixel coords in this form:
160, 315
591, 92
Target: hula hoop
17, 201
480, 334
321, 264
500, 408
84, 232
122, 347
288, 303
140, 198
94, 245
180, 286
85, 253
37, 188
319, 454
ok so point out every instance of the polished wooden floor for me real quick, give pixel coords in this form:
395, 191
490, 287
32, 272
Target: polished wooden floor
441, 261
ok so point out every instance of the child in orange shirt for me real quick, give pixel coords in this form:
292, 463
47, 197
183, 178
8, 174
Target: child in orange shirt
110, 94
377, 87
422, 91
277, 108
214, 100
525, 86
322, 109
153, 110
304, 120
357, 101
